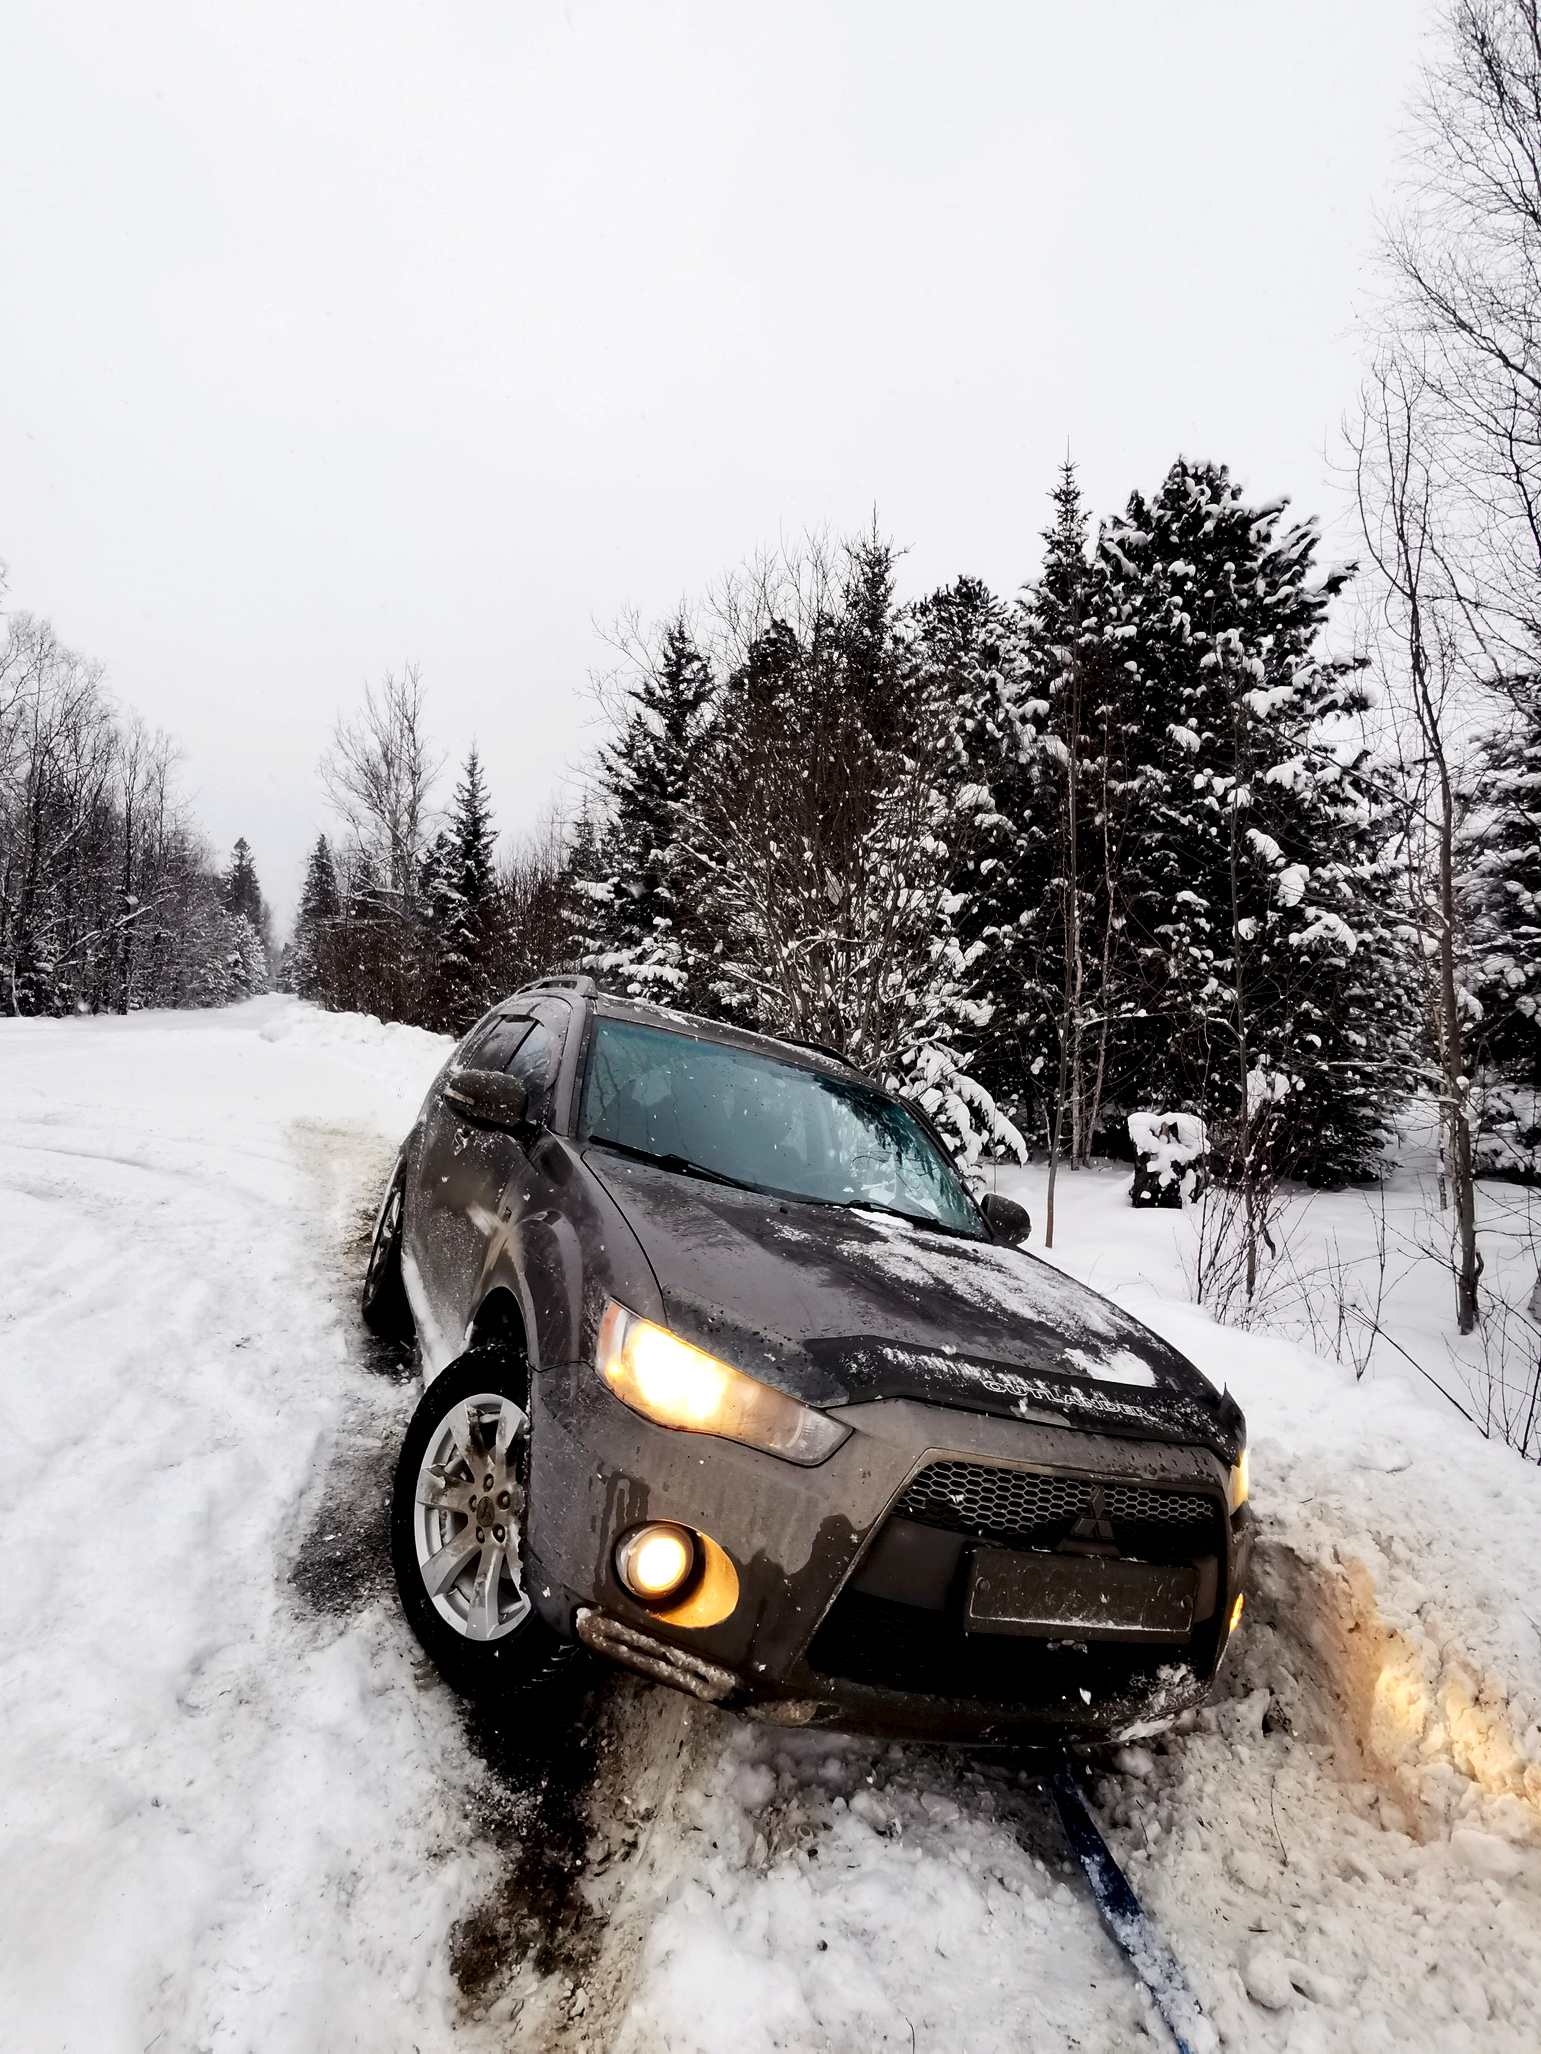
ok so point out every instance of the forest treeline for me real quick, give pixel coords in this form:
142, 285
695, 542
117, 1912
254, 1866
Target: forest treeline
109, 897
1131, 839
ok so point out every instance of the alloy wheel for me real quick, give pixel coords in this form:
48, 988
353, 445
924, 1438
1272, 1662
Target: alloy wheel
467, 1521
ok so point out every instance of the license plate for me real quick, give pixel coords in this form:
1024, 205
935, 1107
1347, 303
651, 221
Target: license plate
1078, 1597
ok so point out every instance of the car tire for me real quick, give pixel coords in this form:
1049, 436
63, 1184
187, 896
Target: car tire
384, 1302
475, 1621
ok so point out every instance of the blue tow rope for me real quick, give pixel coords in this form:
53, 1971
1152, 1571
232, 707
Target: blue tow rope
1127, 1920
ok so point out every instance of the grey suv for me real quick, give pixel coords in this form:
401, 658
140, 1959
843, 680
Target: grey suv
730, 1378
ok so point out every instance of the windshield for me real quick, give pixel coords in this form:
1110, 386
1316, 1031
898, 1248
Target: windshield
740, 1117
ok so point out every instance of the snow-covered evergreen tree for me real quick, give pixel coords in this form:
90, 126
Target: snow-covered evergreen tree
320, 907
459, 896
963, 637
1263, 929
1504, 894
1066, 930
472, 837
638, 933
243, 894
244, 900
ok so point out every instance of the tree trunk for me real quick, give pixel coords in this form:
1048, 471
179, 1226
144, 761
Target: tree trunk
1467, 1264
1054, 1139
1070, 1033
1243, 1061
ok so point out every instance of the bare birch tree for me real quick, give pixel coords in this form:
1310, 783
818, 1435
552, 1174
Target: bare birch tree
1465, 260
379, 775
1426, 659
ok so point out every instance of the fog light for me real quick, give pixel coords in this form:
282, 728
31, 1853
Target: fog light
1235, 1615
655, 1561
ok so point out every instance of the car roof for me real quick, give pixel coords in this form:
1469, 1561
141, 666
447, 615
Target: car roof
612, 1006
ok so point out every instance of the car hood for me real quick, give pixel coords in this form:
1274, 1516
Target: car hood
838, 1305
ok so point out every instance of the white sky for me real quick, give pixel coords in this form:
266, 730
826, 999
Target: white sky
333, 336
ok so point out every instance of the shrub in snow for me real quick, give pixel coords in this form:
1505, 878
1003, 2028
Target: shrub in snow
1508, 1140
1171, 1158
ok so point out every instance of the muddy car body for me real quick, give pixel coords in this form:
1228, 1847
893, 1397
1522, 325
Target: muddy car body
1001, 1506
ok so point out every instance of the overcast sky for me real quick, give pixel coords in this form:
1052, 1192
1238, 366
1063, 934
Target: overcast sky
336, 336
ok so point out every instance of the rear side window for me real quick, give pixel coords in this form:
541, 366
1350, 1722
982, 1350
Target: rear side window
531, 1064
497, 1045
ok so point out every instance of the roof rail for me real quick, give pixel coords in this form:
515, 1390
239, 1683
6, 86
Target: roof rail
584, 986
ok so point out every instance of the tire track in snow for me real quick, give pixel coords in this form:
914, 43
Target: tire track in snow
554, 1801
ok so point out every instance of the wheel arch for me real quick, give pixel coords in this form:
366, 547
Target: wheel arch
498, 1322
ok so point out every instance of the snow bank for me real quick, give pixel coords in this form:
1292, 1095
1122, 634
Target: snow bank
1368, 1794
380, 1049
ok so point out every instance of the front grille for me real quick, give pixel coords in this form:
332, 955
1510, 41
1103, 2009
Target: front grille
1014, 1508
878, 1643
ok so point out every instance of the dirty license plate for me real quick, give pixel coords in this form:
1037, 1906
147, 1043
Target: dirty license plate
1078, 1597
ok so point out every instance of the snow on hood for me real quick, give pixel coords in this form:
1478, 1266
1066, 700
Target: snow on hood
838, 1304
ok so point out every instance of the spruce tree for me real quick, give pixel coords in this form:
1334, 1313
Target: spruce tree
1053, 653
962, 634
459, 895
1504, 895
638, 928
242, 892
1260, 904
320, 907
472, 837
1048, 902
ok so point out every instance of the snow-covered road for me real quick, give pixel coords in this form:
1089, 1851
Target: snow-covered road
226, 1824
237, 1813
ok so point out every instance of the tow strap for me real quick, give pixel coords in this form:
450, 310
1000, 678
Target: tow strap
1140, 1941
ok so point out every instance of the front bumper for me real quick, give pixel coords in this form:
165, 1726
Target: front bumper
827, 1631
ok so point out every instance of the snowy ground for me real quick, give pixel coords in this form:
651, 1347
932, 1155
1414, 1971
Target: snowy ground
236, 1812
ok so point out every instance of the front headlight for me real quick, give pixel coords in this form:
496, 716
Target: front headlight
674, 1384
1241, 1480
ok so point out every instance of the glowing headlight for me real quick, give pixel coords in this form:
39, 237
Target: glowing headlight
1241, 1480
673, 1384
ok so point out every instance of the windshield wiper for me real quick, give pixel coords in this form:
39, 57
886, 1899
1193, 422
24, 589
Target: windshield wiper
916, 1219
677, 1165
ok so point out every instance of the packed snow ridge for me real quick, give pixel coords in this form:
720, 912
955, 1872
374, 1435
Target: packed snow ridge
239, 1813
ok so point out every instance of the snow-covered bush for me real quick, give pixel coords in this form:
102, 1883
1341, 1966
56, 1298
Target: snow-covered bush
1171, 1158
1508, 1140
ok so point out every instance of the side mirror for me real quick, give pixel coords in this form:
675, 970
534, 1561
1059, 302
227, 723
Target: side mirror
1008, 1221
487, 1098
